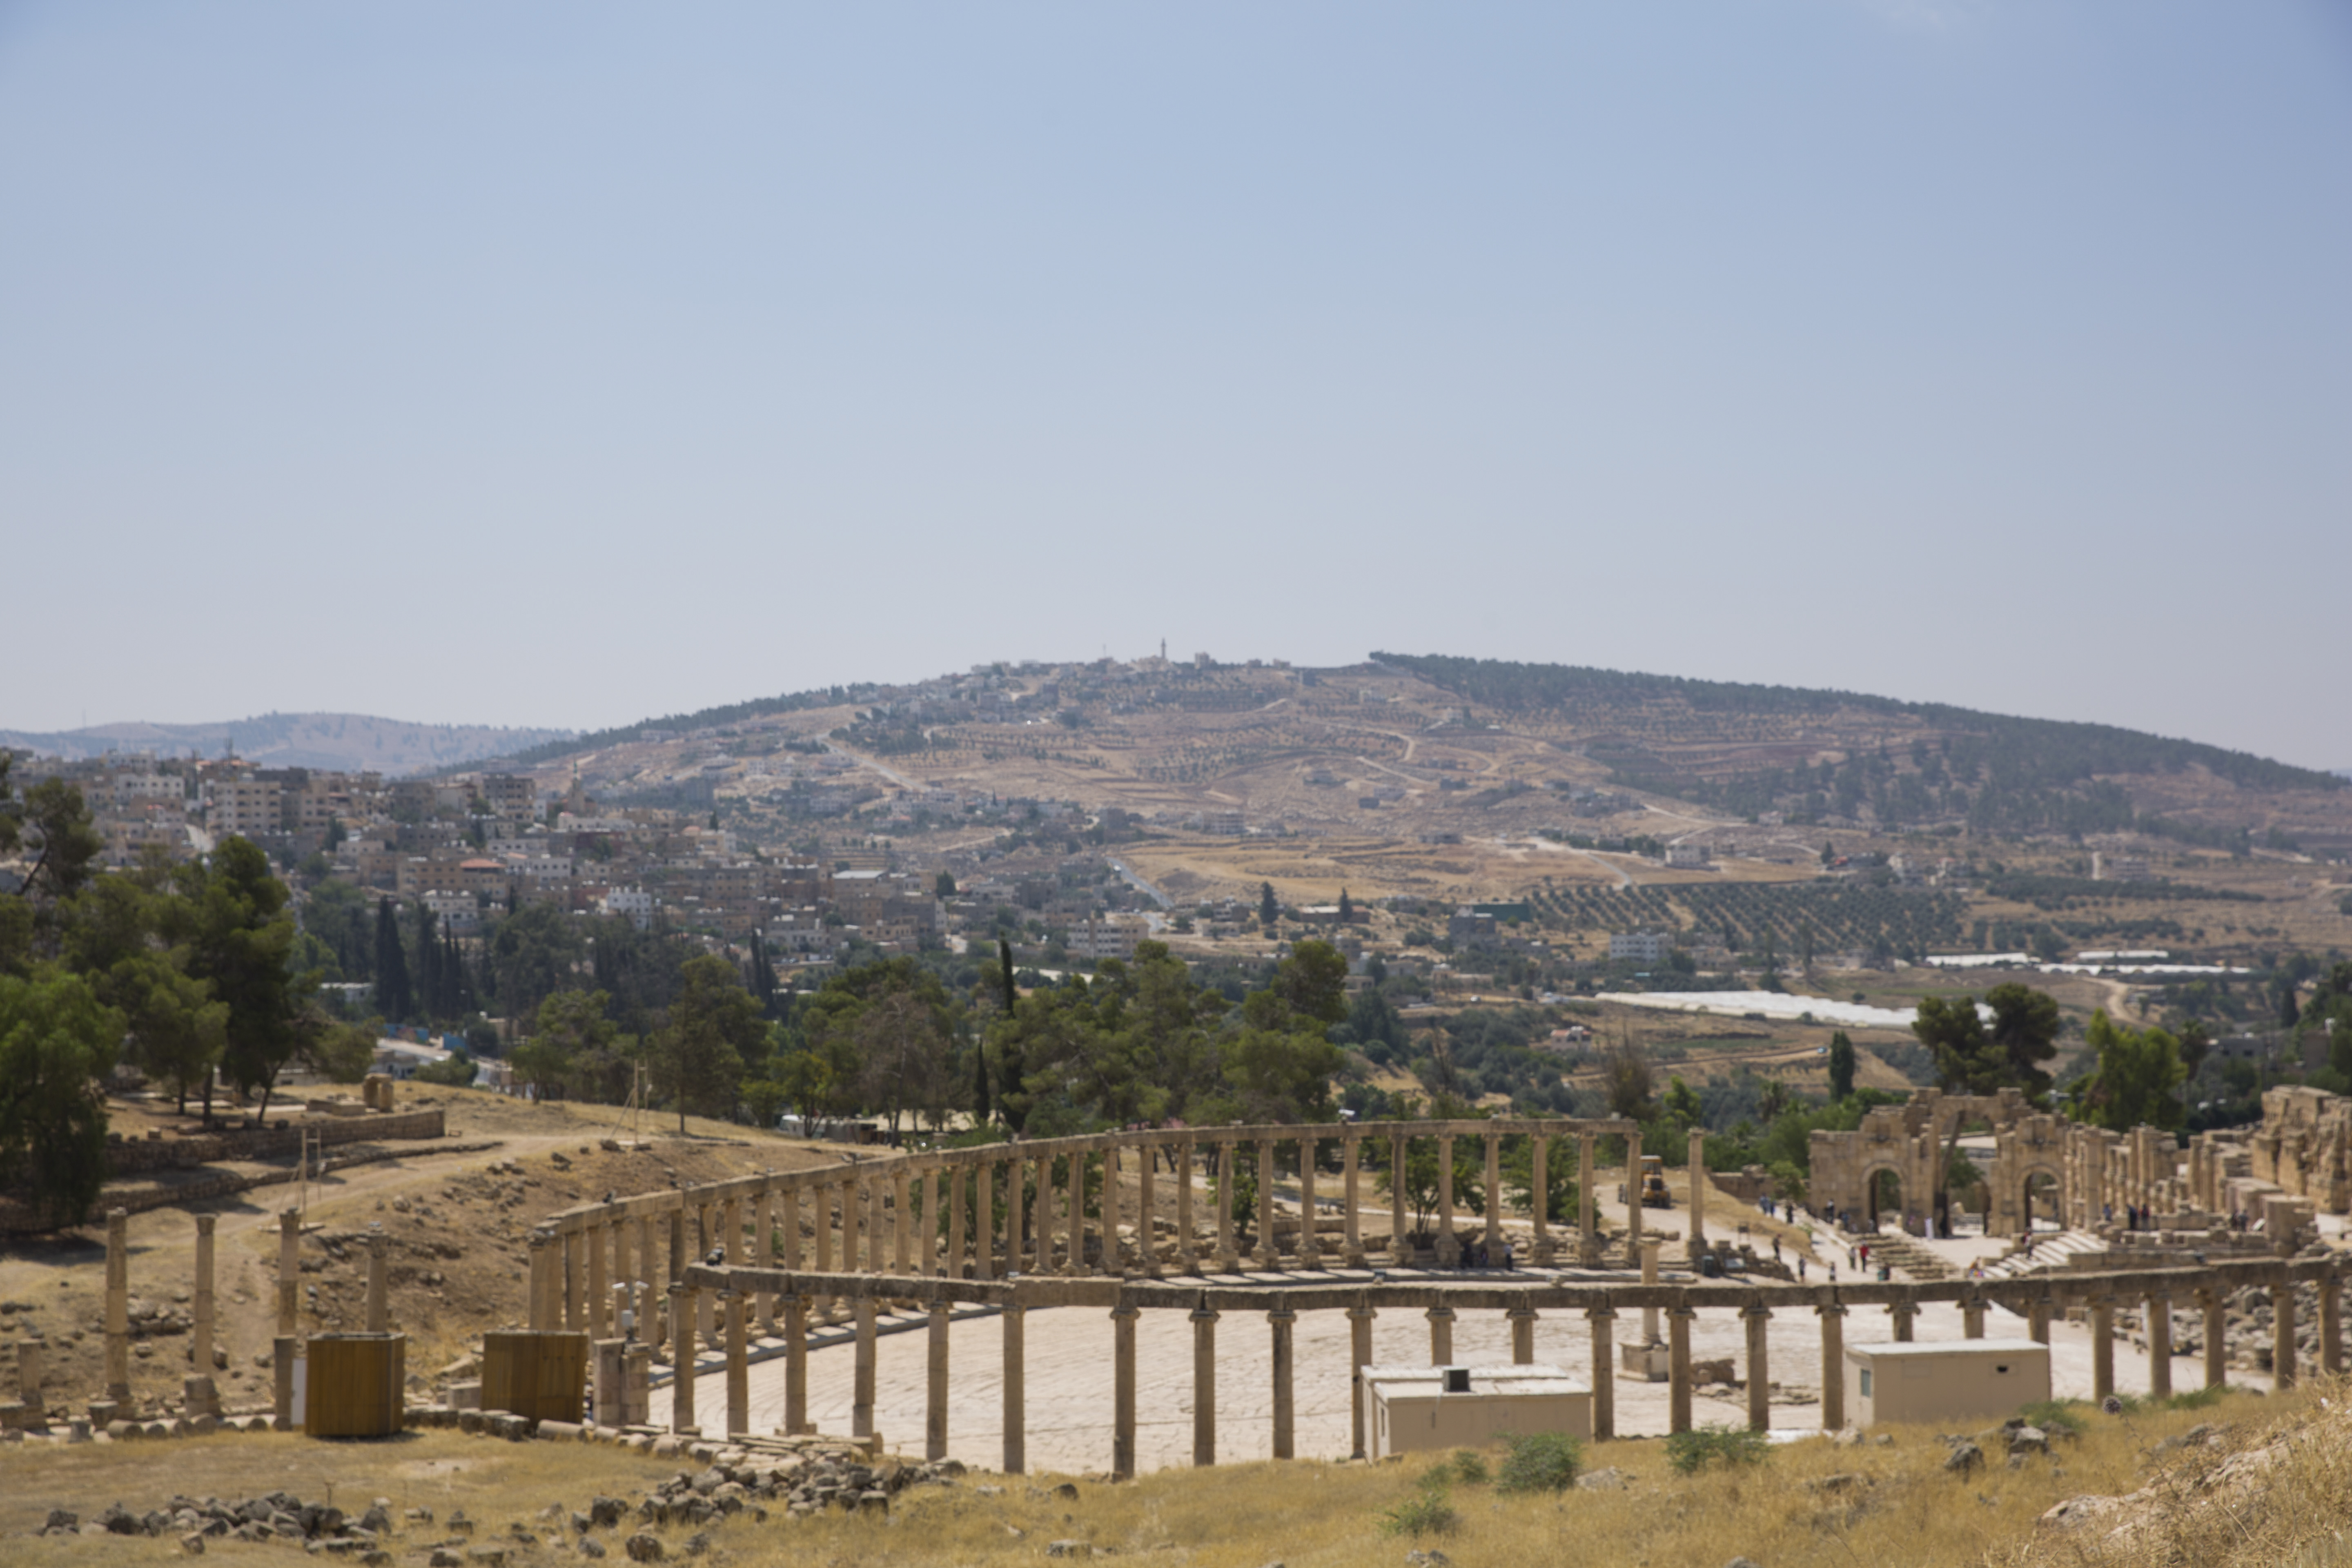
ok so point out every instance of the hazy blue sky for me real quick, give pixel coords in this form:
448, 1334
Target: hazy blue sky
567, 363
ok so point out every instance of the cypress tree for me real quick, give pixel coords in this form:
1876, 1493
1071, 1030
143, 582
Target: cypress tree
393, 996
428, 963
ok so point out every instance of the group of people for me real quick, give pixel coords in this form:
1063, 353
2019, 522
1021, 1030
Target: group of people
1480, 1255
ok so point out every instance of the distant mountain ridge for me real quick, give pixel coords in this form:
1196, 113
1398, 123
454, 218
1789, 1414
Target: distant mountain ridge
1743, 748
348, 743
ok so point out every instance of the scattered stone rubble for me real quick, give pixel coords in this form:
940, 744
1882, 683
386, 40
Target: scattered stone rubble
2250, 1316
731, 1483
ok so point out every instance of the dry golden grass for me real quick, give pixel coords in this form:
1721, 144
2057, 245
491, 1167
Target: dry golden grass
1899, 1508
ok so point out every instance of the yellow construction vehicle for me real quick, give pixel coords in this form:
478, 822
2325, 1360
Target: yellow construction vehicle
1654, 1183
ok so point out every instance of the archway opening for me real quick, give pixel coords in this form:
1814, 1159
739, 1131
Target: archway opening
1886, 1197
2041, 1209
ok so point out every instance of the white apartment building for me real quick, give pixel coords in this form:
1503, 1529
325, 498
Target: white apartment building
1640, 946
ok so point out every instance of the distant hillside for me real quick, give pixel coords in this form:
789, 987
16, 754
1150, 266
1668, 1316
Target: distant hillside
354, 742
1749, 747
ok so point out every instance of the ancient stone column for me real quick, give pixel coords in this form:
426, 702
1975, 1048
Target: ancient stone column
861, 1405
1016, 1222
1904, 1313
648, 1264
574, 1311
2217, 1337
1016, 1446
878, 1222
1359, 1356
788, 1221
730, 1231
1187, 1257
1539, 1149
618, 1274
738, 1365
1122, 1390
983, 1220
1268, 1254
935, 1384
1495, 1193
1678, 1368
200, 1347
1204, 1384
1147, 1238
1588, 1231
1351, 1236
1229, 1257
959, 1227
1972, 1316
1522, 1316
706, 1320
1633, 1187
2159, 1347
289, 1271
697, 1311
1310, 1242
2037, 1318
902, 1218
2331, 1322
598, 1296
928, 1240
1078, 1212
682, 1365
1602, 1318
1697, 1174
379, 1308
536, 1292
677, 1247
281, 1382
1441, 1335
1649, 1255
1400, 1236
1449, 1248
2102, 1346
1833, 1365
823, 1193
1759, 1368
1282, 1320
796, 1330
28, 1380
2282, 1370
764, 1251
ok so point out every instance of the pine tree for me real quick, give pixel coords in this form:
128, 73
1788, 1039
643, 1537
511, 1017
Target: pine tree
1346, 907
1270, 908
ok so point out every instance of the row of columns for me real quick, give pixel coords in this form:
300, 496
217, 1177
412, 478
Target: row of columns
870, 1216
1282, 1321
200, 1394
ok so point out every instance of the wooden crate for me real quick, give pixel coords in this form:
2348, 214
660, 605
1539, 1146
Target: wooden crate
542, 1376
357, 1386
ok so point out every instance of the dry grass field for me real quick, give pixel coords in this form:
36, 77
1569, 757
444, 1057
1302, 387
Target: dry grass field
2269, 1481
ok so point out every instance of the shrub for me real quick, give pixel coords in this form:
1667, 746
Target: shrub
1688, 1452
1467, 1465
1540, 1462
1427, 1512
2056, 1416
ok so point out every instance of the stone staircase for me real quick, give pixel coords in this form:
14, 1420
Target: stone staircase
1906, 1257
2050, 1251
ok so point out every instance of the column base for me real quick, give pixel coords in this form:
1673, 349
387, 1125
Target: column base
1355, 1258
1449, 1251
1544, 1252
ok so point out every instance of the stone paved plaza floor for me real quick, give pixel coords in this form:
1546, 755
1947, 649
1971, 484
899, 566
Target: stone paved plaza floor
1068, 1375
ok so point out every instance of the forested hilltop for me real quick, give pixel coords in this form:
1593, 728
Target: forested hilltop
1751, 748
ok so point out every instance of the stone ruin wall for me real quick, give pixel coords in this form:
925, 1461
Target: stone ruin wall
2302, 1150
